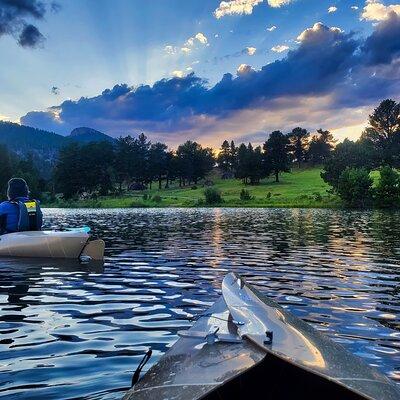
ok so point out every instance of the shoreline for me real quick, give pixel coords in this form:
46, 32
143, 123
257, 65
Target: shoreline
301, 188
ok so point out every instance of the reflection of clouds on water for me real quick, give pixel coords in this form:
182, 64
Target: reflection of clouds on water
336, 269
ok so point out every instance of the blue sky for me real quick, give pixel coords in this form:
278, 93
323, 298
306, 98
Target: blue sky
89, 46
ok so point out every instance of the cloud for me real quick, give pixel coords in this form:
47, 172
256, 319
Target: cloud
271, 28
188, 46
319, 33
235, 7
201, 38
178, 73
241, 7
244, 69
280, 48
383, 46
332, 9
354, 8
251, 51
278, 3
330, 73
170, 49
13, 20
30, 36
55, 90
374, 10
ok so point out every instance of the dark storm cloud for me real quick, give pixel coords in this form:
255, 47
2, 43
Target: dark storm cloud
326, 62
15, 16
384, 43
30, 36
55, 90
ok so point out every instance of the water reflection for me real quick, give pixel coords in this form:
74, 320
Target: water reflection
70, 331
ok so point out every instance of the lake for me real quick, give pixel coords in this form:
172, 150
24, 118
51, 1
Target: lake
72, 331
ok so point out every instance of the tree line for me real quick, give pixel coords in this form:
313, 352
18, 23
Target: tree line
135, 163
129, 164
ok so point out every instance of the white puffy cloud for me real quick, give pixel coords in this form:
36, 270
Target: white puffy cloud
235, 7
240, 7
271, 28
201, 38
178, 74
374, 10
332, 9
354, 8
278, 3
186, 50
280, 48
251, 51
319, 30
244, 69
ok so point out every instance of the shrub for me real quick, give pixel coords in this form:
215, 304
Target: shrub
212, 196
245, 195
355, 187
387, 191
194, 187
156, 198
317, 196
145, 197
269, 195
200, 202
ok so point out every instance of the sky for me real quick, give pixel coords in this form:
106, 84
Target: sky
202, 70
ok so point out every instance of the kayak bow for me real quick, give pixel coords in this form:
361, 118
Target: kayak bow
70, 244
247, 345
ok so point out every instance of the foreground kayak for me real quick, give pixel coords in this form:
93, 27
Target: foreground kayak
247, 346
71, 244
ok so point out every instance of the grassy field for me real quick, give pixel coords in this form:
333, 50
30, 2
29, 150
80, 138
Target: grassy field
300, 188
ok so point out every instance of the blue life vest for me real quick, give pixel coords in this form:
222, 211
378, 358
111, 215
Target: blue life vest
29, 216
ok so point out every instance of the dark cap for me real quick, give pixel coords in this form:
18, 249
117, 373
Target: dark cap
17, 187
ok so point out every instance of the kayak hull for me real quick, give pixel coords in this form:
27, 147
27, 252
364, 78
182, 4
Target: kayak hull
44, 244
299, 362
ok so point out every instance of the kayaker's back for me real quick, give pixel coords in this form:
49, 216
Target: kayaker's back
19, 213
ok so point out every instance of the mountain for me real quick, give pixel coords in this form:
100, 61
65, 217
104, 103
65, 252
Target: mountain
22, 140
42, 145
87, 135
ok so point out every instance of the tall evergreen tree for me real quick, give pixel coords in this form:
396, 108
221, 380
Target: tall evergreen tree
384, 132
158, 162
276, 153
224, 157
299, 144
194, 162
122, 160
242, 163
320, 147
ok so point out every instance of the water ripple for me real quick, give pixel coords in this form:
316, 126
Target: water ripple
69, 331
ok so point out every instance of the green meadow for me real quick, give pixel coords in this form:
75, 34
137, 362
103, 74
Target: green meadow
299, 188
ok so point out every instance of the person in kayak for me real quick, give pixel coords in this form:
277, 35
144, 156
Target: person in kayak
19, 213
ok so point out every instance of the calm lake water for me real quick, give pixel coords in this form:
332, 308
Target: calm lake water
72, 331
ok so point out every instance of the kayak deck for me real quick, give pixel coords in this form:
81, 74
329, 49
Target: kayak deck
228, 354
69, 244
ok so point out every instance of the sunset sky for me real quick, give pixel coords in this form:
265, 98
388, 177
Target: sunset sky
198, 69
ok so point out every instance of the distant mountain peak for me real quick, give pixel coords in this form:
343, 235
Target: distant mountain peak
85, 134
